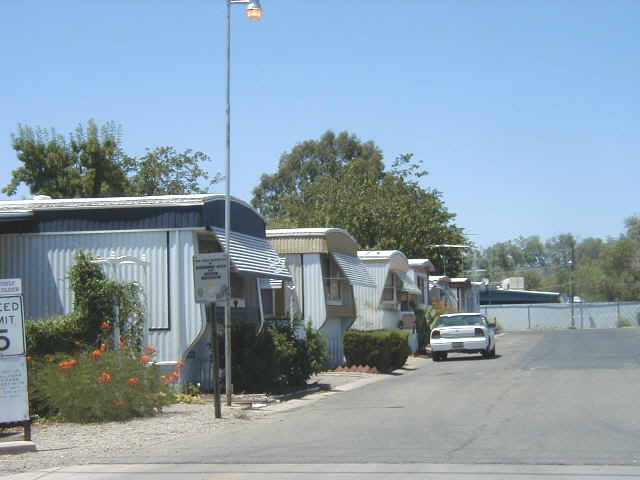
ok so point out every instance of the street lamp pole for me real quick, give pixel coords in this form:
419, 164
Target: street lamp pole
254, 12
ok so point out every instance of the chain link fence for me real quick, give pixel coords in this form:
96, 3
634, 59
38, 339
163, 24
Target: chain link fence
561, 315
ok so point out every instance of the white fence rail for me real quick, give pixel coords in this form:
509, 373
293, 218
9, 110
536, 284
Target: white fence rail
559, 315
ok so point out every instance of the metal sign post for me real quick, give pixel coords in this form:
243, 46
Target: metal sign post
210, 282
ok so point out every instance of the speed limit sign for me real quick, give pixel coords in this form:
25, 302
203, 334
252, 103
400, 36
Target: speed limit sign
11, 326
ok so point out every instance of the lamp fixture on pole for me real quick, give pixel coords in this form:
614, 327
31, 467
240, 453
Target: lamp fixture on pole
254, 12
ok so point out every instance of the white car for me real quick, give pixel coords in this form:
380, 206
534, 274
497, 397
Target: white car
462, 333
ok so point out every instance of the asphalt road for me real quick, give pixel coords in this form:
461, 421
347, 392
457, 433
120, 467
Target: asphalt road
554, 397
553, 404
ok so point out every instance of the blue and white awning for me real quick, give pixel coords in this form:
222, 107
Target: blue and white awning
353, 268
253, 256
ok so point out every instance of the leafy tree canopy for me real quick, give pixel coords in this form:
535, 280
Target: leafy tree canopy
340, 181
92, 163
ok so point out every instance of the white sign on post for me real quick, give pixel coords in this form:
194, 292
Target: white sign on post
210, 277
11, 326
14, 400
14, 396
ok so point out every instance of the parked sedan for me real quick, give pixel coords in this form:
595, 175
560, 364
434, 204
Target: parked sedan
462, 333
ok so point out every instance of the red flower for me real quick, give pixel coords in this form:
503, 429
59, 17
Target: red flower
122, 344
150, 350
132, 382
96, 354
118, 403
164, 379
105, 378
174, 376
104, 347
106, 325
180, 364
67, 366
78, 343
29, 358
145, 359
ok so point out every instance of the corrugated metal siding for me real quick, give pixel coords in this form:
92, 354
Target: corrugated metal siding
44, 262
294, 264
188, 316
333, 333
253, 255
354, 270
314, 301
368, 312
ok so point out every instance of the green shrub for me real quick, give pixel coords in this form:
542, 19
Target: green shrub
386, 350
53, 335
103, 385
275, 360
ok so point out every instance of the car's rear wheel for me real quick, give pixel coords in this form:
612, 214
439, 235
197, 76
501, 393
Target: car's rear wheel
436, 356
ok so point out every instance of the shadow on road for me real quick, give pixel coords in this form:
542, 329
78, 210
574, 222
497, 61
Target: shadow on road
470, 359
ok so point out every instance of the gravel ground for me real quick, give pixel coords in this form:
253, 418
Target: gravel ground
63, 444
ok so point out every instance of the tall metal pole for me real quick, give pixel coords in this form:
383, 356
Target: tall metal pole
571, 276
227, 221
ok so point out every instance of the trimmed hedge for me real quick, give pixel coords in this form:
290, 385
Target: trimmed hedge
386, 350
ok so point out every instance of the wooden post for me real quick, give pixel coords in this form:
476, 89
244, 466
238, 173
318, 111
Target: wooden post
216, 361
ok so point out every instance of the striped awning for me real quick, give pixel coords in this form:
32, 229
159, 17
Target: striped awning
270, 284
353, 268
253, 256
408, 285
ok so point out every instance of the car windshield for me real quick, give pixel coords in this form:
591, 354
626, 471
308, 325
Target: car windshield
460, 321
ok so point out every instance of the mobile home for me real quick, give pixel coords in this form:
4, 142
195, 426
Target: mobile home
390, 304
157, 238
325, 270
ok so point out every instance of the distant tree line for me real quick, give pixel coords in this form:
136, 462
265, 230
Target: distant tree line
601, 270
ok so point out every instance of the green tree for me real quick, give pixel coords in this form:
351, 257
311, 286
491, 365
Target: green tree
340, 181
92, 163
163, 171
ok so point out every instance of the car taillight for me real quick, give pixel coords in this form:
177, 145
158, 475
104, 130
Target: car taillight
479, 332
435, 334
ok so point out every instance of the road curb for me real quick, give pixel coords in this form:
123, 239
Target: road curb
21, 446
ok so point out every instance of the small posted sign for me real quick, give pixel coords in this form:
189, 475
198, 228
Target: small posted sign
210, 278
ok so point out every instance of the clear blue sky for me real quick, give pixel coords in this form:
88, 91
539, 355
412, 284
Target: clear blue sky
525, 113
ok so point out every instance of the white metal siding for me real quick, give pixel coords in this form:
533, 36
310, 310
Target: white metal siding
44, 263
294, 264
368, 313
315, 310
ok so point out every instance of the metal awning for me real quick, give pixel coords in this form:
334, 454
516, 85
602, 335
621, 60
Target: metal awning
270, 284
253, 256
408, 285
353, 268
